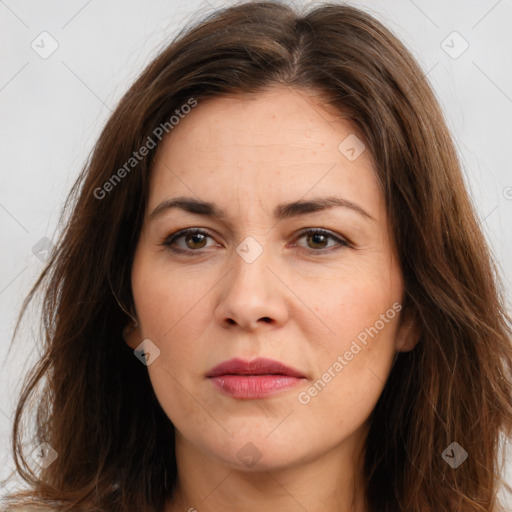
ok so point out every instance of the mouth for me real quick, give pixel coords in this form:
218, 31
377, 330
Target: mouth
254, 379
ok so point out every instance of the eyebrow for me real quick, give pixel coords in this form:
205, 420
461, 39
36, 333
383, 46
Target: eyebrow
282, 211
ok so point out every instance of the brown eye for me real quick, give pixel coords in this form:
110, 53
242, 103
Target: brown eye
318, 240
195, 239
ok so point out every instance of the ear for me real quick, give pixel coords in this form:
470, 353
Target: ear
132, 335
409, 332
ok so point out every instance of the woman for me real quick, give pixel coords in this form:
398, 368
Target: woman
272, 292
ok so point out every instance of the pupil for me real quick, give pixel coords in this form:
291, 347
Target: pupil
195, 237
318, 236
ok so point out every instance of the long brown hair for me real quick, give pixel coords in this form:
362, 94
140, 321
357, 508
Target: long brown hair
96, 406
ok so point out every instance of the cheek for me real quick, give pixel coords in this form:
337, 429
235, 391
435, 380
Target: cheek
166, 297
173, 321
351, 378
341, 304
354, 358
169, 305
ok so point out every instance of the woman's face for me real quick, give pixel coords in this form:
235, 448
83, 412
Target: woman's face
253, 283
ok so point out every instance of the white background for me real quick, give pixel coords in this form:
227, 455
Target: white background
52, 111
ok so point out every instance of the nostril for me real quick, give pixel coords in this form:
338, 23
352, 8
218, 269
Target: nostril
265, 319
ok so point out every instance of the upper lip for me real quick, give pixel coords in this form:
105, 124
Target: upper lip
259, 366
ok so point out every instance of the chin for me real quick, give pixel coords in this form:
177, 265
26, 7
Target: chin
257, 452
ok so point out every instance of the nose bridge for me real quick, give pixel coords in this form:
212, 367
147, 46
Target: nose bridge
250, 261
251, 291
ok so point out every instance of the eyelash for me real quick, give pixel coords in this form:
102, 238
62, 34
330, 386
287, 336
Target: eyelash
198, 231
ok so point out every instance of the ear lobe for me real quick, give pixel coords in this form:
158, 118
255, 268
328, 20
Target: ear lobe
132, 335
408, 334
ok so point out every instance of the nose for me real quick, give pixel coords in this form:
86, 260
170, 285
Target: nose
253, 295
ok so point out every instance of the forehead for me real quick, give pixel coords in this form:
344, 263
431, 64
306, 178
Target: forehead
269, 147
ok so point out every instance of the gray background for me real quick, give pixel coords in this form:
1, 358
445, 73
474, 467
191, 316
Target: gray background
52, 110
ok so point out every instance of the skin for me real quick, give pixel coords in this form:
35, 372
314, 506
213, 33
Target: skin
302, 302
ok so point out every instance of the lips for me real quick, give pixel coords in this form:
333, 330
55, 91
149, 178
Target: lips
255, 379
259, 366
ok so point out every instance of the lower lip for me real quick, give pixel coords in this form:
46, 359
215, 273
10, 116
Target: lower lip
254, 386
